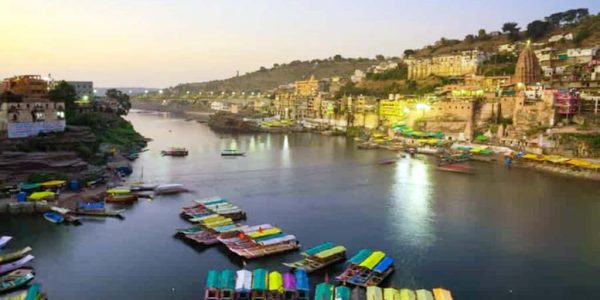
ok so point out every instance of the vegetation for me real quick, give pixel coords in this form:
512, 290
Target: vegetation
123, 102
110, 129
511, 30
398, 73
64, 92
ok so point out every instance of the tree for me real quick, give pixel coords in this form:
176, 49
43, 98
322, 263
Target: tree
379, 57
581, 35
469, 38
538, 29
337, 58
482, 35
64, 92
123, 102
275, 65
409, 52
512, 30
262, 69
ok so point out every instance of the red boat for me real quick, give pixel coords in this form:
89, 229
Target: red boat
457, 168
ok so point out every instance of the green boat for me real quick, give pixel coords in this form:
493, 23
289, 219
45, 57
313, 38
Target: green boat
324, 291
14, 255
342, 293
16, 279
227, 284
259, 284
211, 291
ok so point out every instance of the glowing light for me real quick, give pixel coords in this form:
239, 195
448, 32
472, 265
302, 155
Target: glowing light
422, 106
160, 92
406, 110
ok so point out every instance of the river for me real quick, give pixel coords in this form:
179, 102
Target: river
499, 234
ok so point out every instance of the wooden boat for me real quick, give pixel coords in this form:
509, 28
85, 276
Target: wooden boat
324, 291
383, 269
243, 285
16, 264
457, 168
175, 151
119, 195
259, 284
222, 207
374, 293
442, 294
406, 294
391, 294
302, 284
16, 279
203, 238
423, 294
371, 271
53, 217
358, 293
319, 257
170, 189
289, 287
98, 206
4, 240
100, 213
227, 285
352, 265
211, 290
232, 152
14, 255
258, 241
343, 293
389, 161
275, 286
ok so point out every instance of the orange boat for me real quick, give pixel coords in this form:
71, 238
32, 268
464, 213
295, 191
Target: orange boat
120, 196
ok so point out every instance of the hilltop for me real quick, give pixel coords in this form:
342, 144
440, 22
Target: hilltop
270, 78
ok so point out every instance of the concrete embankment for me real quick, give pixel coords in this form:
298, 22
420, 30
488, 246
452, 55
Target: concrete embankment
7, 206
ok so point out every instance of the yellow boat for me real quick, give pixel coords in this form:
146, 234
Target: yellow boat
442, 294
275, 286
372, 260
391, 294
37, 196
374, 293
406, 294
53, 183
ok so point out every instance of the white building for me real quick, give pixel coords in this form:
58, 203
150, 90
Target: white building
507, 48
218, 106
358, 76
84, 89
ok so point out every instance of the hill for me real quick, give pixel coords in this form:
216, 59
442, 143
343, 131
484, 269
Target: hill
268, 79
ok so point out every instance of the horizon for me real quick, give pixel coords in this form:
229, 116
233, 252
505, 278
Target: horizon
157, 44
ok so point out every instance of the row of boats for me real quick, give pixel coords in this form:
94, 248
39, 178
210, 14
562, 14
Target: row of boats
129, 194
15, 275
181, 151
261, 284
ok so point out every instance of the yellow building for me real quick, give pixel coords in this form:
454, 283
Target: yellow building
307, 87
467, 62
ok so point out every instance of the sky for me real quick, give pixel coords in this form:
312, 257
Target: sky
160, 43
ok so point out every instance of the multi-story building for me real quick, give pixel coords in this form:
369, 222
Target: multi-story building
309, 87
25, 109
467, 62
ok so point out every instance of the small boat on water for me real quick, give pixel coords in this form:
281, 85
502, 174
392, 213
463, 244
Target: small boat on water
367, 268
170, 189
211, 290
16, 264
407, 294
324, 291
442, 294
423, 294
456, 168
259, 284
289, 287
343, 293
358, 293
227, 285
53, 217
175, 151
388, 161
120, 195
243, 285
232, 152
302, 284
275, 286
319, 257
374, 293
4, 240
14, 255
16, 279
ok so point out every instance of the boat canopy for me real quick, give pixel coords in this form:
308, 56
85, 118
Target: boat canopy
40, 196
212, 279
53, 183
302, 280
227, 281
243, 281
250, 229
215, 201
372, 260
374, 293
424, 295
391, 294
118, 191
98, 205
270, 237
406, 294
283, 239
384, 264
259, 280
319, 248
342, 293
324, 291
275, 281
264, 232
442, 294
225, 228
360, 256
289, 282
29, 186
331, 252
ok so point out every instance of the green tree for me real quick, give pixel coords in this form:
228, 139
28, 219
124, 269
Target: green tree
123, 102
538, 29
581, 35
64, 92
379, 57
409, 52
482, 35
512, 30
469, 38
337, 58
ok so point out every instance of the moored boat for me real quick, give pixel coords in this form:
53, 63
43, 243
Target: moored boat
120, 195
16, 264
14, 255
406, 294
324, 291
456, 168
319, 257
211, 290
391, 294
170, 189
175, 151
16, 279
343, 293
227, 285
275, 286
289, 287
358, 293
374, 293
4, 240
302, 284
232, 152
259, 284
53, 217
442, 294
243, 285
423, 294
367, 268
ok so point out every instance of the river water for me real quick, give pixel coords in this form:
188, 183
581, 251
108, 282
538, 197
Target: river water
499, 234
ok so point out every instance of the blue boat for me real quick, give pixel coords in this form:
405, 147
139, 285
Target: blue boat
92, 206
302, 285
53, 217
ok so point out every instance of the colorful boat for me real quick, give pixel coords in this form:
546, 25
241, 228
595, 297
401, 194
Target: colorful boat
259, 284
391, 294
258, 241
227, 285
92, 206
175, 151
243, 285
211, 291
14, 255
289, 287
319, 257
406, 294
424, 295
383, 269
4, 240
374, 293
215, 205
38, 196
16, 264
324, 291
53, 217
352, 263
120, 195
358, 293
275, 286
302, 284
367, 268
442, 294
16, 279
342, 293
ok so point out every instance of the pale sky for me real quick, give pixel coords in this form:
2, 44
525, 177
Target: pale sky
159, 43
